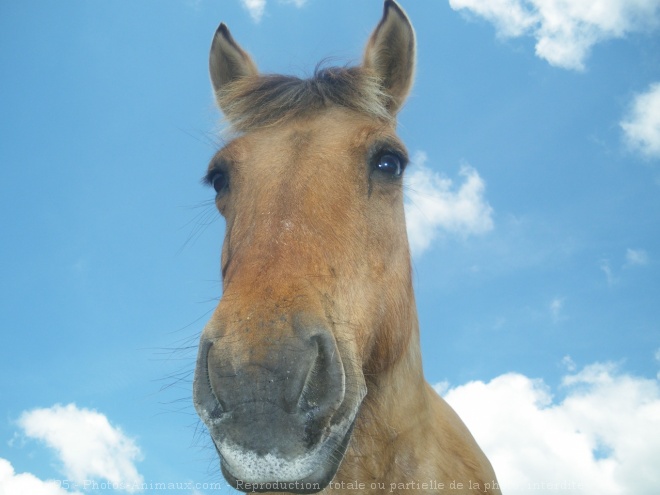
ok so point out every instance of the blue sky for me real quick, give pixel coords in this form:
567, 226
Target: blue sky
533, 205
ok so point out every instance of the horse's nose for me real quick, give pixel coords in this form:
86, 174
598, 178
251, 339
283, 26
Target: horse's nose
274, 398
295, 383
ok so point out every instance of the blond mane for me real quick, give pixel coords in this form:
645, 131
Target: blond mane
259, 101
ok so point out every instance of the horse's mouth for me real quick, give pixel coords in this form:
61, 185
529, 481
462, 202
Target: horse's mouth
310, 473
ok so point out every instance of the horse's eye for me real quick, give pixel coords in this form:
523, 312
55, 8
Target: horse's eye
219, 181
390, 164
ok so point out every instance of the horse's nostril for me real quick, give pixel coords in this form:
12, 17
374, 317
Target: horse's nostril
206, 403
324, 387
217, 412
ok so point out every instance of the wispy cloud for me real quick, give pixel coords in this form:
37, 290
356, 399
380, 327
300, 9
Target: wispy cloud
641, 127
297, 3
556, 307
633, 258
602, 437
88, 446
565, 31
257, 8
637, 257
12, 483
568, 364
194, 4
434, 204
606, 268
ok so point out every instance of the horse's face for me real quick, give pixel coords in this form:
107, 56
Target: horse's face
314, 253
316, 279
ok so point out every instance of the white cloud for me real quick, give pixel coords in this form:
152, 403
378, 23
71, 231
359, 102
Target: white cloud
641, 127
256, 8
88, 446
565, 30
12, 483
637, 257
434, 203
511, 17
602, 437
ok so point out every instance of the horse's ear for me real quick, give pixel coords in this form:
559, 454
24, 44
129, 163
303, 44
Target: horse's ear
227, 60
390, 53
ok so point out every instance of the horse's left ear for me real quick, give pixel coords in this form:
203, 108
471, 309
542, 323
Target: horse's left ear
390, 53
228, 61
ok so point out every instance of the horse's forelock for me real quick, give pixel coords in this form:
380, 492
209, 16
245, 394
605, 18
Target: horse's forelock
260, 101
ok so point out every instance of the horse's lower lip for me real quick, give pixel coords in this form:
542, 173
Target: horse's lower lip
312, 483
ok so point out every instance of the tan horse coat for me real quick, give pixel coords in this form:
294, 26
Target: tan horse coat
310, 368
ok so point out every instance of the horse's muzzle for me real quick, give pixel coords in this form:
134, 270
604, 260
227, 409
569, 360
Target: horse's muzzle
280, 417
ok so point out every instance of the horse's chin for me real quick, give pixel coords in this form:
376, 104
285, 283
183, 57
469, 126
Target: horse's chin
311, 472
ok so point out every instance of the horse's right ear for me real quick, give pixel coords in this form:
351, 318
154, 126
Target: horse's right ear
227, 60
390, 54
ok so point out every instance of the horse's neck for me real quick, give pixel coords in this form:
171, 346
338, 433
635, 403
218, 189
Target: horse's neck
406, 433
394, 414
401, 392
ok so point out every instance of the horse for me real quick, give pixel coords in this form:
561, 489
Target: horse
309, 372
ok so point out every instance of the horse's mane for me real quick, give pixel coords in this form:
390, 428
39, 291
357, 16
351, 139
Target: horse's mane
263, 100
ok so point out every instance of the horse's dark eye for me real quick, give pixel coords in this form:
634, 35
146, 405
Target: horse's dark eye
390, 164
219, 181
